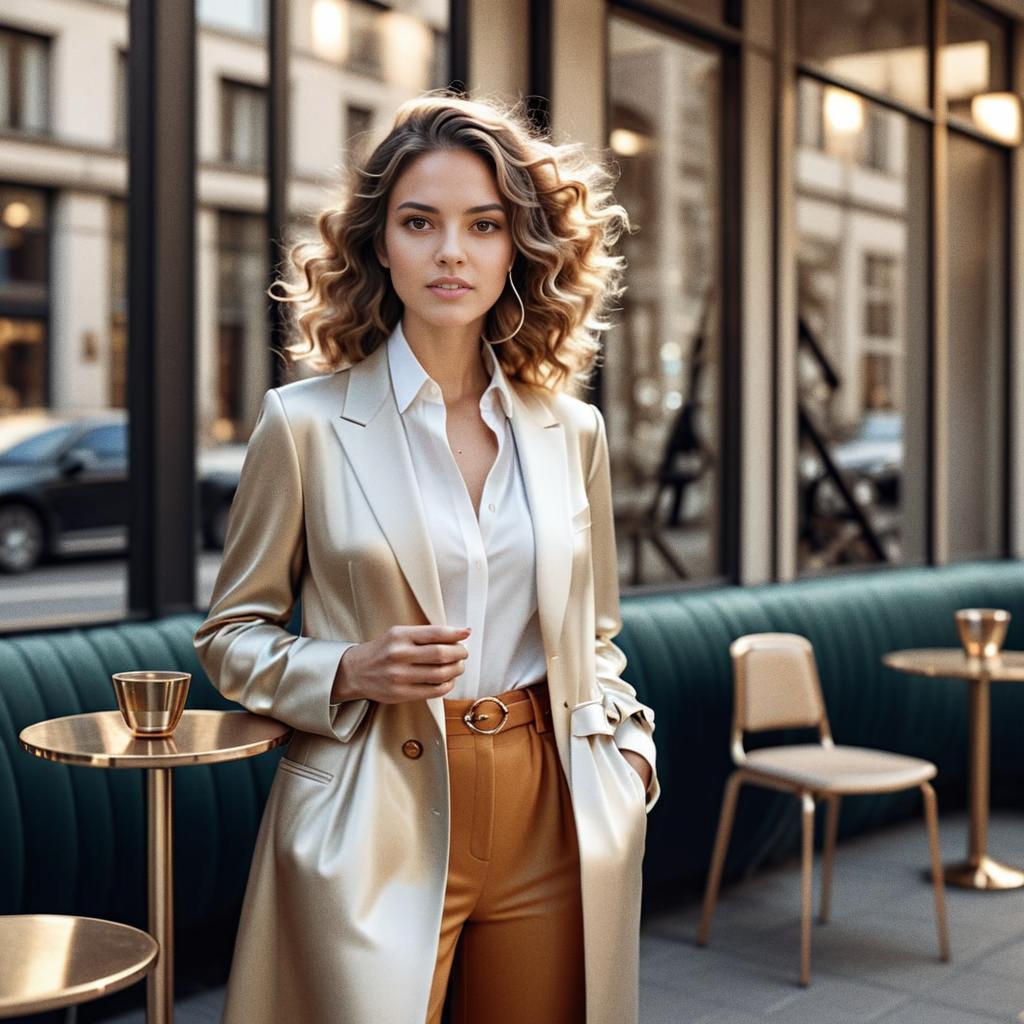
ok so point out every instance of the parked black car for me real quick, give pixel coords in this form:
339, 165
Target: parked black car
64, 486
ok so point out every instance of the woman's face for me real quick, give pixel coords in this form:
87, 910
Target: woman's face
446, 219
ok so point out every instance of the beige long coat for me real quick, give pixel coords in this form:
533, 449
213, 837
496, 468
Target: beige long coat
343, 906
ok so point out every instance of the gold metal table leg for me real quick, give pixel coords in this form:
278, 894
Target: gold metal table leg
160, 983
980, 871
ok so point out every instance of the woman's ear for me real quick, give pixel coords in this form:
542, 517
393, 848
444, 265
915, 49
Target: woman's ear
382, 256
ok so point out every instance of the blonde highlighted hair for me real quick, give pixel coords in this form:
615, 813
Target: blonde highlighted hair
564, 223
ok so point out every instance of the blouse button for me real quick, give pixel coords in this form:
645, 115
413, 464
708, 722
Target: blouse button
490, 508
412, 748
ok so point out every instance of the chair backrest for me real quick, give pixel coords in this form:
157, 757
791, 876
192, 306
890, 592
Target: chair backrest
775, 685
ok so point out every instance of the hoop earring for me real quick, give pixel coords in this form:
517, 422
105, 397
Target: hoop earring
522, 314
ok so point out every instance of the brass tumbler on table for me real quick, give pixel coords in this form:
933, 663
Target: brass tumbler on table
982, 631
151, 703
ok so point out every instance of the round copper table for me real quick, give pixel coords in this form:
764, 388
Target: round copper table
102, 740
979, 871
48, 961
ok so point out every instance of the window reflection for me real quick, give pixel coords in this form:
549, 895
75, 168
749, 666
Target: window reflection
24, 82
244, 124
975, 72
24, 292
862, 271
977, 339
660, 377
354, 58
881, 45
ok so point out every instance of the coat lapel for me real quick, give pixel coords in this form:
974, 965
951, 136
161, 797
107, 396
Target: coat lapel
540, 441
370, 426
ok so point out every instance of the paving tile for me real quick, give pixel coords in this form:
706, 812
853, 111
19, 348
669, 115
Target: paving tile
983, 993
926, 1012
668, 1006
1008, 961
838, 1001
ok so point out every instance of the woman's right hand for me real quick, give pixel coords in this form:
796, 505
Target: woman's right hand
405, 663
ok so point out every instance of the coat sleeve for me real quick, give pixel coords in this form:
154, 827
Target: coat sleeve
636, 720
244, 645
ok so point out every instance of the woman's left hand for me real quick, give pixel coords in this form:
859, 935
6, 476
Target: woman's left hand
639, 765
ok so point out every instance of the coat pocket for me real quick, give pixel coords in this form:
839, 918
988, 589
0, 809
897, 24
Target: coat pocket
286, 764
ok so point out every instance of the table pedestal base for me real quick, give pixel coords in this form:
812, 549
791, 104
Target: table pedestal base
984, 873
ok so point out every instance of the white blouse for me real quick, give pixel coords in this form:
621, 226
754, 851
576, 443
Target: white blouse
486, 566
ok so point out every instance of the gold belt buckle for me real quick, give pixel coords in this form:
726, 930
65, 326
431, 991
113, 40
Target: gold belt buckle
469, 717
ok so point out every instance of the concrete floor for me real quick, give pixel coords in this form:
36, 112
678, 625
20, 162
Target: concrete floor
876, 960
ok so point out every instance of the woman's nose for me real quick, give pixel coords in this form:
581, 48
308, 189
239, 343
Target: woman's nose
450, 250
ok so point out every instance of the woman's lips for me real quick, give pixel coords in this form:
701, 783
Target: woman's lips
449, 293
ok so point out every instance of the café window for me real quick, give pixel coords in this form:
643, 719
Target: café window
660, 384
862, 215
24, 82
244, 124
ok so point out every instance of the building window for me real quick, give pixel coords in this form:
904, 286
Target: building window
879, 295
246, 16
24, 82
121, 101
358, 125
118, 292
244, 124
241, 359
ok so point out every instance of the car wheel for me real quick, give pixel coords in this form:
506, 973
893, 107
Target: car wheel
21, 538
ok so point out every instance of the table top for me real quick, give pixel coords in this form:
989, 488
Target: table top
48, 961
102, 740
952, 663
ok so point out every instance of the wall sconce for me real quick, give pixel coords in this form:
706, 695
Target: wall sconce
330, 30
626, 142
998, 114
844, 111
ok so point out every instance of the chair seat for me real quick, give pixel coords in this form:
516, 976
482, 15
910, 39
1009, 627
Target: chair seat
840, 769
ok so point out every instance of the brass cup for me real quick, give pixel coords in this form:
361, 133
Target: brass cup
982, 630
151, 703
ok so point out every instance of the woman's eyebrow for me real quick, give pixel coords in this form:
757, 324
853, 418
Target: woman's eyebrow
434, 209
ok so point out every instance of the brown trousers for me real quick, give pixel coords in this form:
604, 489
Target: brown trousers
512, 922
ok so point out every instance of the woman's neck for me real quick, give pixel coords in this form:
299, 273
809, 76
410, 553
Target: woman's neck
452, 357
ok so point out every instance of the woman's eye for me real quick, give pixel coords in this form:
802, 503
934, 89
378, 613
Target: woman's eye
490, 223
421, 219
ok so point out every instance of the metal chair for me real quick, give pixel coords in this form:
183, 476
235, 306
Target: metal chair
776, 686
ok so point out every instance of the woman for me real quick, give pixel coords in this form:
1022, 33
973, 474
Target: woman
468, 781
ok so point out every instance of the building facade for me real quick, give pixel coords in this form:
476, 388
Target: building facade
817, 362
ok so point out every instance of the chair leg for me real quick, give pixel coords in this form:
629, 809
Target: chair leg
828, 858
932, 818
732, 790
806, 886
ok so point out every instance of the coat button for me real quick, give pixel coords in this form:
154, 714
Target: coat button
412, 748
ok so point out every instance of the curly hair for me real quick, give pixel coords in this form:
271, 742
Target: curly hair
564, 223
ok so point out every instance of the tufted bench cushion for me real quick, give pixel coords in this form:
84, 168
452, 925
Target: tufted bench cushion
677, 645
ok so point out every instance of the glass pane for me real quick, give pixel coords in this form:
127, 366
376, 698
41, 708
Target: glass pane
61, 269
247, 16
232, 340
358, 59
975, 72
879, 44
862, 185
31, 85
660, 384
977, 341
